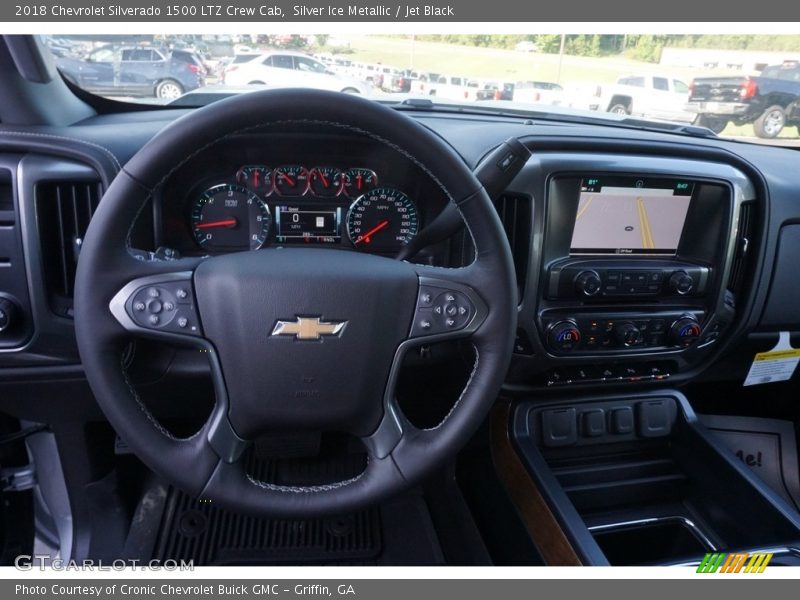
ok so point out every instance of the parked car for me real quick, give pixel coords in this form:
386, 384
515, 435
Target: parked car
135, 71
770, 101
290, 69
454, 87
538, 92
495, 90
646, 96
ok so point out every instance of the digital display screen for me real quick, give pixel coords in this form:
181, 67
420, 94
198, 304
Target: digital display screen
630, 215
308, 224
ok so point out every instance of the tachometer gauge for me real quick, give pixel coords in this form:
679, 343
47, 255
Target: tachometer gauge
382, 221
325, 181
230, 218
257, 178
291, 180
358, 181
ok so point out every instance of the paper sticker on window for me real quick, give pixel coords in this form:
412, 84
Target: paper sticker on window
774, 365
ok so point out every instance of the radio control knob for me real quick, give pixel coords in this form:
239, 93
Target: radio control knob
684, 331
564, 336
588, 283
627, 334
681, 283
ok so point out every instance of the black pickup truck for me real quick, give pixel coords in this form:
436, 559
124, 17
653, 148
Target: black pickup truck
770, 101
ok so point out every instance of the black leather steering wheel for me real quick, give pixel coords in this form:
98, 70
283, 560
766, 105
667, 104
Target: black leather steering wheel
298, 339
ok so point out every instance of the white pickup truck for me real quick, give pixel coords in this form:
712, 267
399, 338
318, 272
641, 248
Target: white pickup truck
448, 87
648, 96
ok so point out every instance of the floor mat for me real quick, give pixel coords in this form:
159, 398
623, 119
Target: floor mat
767, 446
210, 535
399, 532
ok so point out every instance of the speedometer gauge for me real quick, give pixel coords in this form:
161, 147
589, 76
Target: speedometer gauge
230, 218
382, 221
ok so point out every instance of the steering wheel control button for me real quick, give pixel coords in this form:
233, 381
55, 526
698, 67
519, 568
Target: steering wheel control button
425, 297
164, 305
441, 310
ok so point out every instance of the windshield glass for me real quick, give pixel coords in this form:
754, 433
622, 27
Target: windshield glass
740, 86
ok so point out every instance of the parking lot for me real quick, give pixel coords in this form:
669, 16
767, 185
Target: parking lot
388, 66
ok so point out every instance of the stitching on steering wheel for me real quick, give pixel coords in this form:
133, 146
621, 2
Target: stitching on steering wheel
306, 489
150, 417
463, 392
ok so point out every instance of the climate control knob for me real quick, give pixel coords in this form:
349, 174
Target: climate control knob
681, 283
684, 331
564, 336
588, 283
627, 334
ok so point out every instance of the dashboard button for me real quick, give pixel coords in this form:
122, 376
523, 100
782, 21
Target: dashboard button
583, 374
559, 427
593, 423
610, 374
621, 420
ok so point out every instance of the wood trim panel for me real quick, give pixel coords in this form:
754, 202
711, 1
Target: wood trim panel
543, 528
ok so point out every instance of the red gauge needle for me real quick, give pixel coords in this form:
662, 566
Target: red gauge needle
256, 177
210, 224
324, 179
367, 236
288, 179
359, 178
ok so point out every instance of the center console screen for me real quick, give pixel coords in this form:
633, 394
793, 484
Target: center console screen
630, 215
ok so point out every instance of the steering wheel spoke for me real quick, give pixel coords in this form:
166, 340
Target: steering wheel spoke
161, 305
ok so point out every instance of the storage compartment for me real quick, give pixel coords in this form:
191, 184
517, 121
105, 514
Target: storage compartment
660, 490
650, 542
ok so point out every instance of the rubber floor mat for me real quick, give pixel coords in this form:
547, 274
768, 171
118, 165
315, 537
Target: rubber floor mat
766, 446
399, 532
210, 535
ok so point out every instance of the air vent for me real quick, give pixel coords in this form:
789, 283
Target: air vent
63, 212
744, 242
515, 213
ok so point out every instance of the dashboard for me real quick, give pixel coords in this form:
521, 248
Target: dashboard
640, 257
295, 189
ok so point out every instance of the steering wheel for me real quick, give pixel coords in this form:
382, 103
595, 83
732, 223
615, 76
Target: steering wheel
297, 338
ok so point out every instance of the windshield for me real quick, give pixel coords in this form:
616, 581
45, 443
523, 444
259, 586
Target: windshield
738, 86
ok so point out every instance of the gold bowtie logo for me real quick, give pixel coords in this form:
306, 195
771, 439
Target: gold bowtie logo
308, 328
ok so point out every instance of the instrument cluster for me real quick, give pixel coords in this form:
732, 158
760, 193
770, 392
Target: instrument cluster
296, 204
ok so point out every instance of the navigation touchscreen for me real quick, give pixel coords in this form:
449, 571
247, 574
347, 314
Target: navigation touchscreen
630, 215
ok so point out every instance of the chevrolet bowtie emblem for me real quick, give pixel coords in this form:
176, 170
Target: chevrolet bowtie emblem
308, 328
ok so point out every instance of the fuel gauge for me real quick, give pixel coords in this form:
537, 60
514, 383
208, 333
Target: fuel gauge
325, 181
